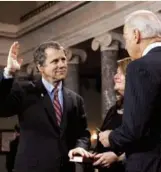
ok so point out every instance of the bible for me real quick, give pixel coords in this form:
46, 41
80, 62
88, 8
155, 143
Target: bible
81, 159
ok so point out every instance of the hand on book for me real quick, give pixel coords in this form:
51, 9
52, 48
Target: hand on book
79, 151
105, 159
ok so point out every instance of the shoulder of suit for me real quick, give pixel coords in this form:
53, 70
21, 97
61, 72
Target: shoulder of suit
25, 85
138, 64
72, 93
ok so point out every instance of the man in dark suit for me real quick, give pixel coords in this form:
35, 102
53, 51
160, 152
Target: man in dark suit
10, 156
139, 134
52, 118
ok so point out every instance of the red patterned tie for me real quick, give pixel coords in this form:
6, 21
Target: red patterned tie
56, 103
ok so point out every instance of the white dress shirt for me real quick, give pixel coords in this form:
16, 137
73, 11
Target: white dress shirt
150, 47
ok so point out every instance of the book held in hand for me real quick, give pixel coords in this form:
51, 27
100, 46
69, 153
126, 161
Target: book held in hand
81, 159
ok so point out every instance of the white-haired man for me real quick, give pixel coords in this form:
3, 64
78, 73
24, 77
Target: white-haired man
139, 134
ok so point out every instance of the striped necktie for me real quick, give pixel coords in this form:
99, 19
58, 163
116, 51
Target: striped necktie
57, 106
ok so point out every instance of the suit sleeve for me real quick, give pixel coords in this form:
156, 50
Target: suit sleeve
84, 134
141, 92
10, 97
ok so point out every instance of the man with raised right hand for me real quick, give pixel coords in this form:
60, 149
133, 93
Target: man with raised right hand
52, 118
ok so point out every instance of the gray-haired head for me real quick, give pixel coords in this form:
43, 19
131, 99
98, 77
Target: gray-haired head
40, 54
146, 22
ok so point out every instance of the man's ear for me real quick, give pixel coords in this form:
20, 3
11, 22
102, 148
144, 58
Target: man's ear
39, 68
137, 36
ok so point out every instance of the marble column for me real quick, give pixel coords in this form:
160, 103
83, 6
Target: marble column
75, 56
109, 54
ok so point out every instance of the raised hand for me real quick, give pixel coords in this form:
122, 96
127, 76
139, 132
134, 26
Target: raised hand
13, 62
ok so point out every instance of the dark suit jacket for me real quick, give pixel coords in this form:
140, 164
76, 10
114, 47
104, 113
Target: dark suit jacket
111, 121
139, 134
43, 144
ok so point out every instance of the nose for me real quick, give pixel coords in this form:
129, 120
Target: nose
115, 76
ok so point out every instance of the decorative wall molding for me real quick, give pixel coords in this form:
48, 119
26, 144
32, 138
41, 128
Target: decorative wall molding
55, 11
41, 7
77, 26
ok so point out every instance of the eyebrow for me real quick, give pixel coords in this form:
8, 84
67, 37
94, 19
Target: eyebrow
64, 57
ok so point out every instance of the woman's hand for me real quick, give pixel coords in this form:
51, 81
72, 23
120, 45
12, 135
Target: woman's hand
105, 159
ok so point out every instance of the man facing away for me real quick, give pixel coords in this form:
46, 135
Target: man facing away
52, 118
139, 134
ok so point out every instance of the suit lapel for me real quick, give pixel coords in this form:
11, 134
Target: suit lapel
47, 104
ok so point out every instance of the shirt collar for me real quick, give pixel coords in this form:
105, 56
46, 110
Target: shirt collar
49, 87
150, 47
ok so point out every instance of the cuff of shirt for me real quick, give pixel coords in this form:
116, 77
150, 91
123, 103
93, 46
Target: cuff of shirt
6, 74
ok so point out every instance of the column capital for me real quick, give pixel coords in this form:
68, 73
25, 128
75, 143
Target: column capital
76, 56
108, 41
